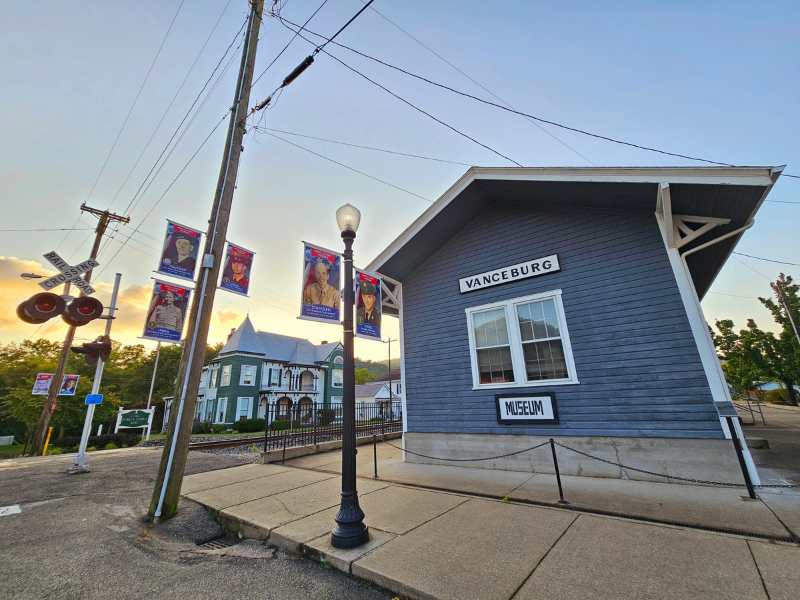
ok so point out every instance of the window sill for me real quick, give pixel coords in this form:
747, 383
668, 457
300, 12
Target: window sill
526, 384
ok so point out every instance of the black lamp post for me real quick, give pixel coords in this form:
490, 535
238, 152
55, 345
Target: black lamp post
350, 530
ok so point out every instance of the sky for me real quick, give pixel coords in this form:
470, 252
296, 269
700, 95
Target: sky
712, 79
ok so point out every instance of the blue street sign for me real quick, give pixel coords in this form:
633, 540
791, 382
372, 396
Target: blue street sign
94, 399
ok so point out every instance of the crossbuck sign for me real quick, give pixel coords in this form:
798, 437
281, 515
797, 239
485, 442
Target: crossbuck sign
69, 273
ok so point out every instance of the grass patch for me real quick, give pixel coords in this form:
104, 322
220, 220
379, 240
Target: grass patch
11, 451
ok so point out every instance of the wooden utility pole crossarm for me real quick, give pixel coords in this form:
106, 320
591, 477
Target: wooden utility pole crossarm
167, 488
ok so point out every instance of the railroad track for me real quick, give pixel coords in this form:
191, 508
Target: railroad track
229, 443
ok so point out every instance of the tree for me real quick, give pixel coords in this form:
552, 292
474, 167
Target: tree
363, 375
754, 355
784, 349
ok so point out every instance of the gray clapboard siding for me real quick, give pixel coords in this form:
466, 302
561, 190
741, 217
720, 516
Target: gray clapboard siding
639, 370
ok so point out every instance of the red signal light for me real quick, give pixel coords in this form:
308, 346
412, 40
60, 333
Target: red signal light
82, 310
41, 307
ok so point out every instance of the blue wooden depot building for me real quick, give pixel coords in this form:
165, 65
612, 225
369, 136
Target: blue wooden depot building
565, 302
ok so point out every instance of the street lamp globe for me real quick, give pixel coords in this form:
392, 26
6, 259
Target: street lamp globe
348, 217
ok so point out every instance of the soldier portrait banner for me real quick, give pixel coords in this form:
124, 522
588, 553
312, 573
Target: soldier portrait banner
368, 305
179, 254
320, 291
167, 312
236, 270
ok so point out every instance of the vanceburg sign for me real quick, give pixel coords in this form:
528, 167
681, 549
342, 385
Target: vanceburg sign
530, 268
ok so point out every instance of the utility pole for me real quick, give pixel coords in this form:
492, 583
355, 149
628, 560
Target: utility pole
153, 378
391, 397
81, 463
164, 503
104, 219
782, 297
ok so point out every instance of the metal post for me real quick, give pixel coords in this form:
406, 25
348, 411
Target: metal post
81, 462
558, 473
350, 530
153, 379
738, 446
285, 435
375, 454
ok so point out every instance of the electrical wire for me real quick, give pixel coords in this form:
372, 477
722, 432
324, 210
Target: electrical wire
135, 100
295, 27
166, 191
476, 82
159, 164
48, 229
289, 43
362, 147
346, 166
772, 260
171, 102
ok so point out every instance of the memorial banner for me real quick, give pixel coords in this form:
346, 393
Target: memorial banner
320, 298
69, 385
41, 384
167, 312
179, 255
368, 305
236, 270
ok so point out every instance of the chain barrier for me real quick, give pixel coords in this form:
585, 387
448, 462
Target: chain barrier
687, 479
598, 458
469, 459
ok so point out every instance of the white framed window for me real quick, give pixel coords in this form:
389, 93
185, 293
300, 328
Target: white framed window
521, 342
247, 375
244, 408
225, 377
336, 373
213, 379
222, 409
204, 375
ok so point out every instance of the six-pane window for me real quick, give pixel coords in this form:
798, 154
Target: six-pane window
519, 342
225, 378
491, 344
248, 375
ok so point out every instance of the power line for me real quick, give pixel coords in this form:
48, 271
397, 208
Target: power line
135, 197
171, 102
289, 43
443, 86
402, 99
166, 191
49, 229
156, 168
476, 82
135, 99
346, 166
343, 27
362, 147
772, 260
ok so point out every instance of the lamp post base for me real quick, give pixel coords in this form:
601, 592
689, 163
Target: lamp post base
350, 530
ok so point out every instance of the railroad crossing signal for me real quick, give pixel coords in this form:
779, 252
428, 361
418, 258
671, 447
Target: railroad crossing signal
69, 273
98, 349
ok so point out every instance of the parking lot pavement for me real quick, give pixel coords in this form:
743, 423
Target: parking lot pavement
82, 536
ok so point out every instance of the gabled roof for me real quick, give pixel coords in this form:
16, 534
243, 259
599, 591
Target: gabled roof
272, 346
368, 390
733, 193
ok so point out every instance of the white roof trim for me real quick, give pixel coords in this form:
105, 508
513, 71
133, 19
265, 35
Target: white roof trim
764, 176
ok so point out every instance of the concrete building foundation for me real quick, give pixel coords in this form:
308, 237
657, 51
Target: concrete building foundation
712, 460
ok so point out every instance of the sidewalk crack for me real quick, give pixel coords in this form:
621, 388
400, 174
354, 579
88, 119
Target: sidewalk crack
758, 569
541, 560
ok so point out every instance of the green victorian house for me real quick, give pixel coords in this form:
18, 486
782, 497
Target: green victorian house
259, 374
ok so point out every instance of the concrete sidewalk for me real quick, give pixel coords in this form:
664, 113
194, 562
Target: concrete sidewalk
440, 544
775, 515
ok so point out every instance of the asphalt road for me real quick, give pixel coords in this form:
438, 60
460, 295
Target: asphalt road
82, 536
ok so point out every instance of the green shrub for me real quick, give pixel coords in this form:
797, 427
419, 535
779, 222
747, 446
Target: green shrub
280, 425
249, 425
201, 427
110, 446
218, 428
53, 450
